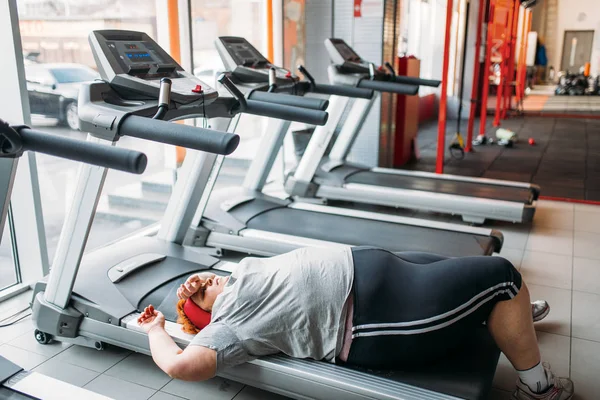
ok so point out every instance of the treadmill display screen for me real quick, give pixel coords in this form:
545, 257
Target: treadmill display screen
347, 52
139, 56
245, 54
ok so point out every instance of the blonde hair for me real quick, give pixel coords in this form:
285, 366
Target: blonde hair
182, 319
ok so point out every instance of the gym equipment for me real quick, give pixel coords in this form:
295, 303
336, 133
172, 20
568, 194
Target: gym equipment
506, 137
18, 384
100, 302
573, 85
247, 220
14, 140
331, 177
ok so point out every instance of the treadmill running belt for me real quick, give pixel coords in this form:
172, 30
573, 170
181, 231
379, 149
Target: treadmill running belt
470, 189
365, 232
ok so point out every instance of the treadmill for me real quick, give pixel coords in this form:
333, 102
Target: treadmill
99, 303
332, 177
247, 220
15, 382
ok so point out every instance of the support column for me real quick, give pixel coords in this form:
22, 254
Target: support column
441, 150
476, 69
486, 71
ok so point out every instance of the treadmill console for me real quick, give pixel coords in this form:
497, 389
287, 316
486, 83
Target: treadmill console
247, 64
344, 56
133, 64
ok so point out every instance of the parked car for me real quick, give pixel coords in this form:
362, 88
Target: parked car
53, 90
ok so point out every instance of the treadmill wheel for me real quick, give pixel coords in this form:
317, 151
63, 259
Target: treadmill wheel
42, 337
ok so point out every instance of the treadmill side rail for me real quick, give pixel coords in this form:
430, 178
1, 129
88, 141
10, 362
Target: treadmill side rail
307, 379
450, 177
297, 378
473, 210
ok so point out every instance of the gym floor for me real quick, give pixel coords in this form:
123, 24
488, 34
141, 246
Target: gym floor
558, 256
565, 160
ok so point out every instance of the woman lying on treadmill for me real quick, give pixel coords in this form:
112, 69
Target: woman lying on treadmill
361, 306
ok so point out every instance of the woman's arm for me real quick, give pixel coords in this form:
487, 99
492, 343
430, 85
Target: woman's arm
195, 363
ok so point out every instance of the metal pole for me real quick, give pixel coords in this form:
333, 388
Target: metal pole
503, 72
521, 59
439, 167
476, 68
486, 71
528, 14
463, 67
511, 60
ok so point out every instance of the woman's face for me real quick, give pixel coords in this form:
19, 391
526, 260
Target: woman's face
211, 286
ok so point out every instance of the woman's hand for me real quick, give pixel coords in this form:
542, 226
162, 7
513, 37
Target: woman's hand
189, 288
151, 318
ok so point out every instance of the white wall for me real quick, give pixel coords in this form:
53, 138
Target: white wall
577, 15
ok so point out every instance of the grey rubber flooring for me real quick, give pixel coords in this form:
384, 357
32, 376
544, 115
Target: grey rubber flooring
565, 160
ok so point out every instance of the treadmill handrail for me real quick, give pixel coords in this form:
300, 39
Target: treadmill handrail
410, 80
191, 137
386, 86
289, 100
131, 161
339, 90
286, 113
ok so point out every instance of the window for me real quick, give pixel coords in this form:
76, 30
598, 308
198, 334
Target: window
73, 75
38, 74
54, 36
214, 18
424, 23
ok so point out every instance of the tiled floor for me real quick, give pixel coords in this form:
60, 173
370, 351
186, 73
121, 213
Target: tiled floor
559, 257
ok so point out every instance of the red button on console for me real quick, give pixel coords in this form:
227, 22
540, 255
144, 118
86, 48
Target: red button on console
288, 75
197, 89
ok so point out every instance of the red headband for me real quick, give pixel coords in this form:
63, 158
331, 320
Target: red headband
195, 314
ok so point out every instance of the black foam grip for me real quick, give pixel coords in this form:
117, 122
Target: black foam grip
78, 150
289, 100
409, 80
287, 113
390, 87
182, 135
346, 91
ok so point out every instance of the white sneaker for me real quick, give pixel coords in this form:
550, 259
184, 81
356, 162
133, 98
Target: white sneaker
539, 310
560, 388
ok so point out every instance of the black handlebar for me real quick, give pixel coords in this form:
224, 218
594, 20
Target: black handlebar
391, 87
409, 80
346, 91
179, 135
289, 100
287, 113
78, 150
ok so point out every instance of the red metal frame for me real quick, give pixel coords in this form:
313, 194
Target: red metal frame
508, 88
476, 68
441, 150
486, 70
505, 54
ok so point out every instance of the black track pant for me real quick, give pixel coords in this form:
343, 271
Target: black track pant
411, 308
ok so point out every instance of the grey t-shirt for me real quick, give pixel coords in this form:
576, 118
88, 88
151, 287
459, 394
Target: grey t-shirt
293, 303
